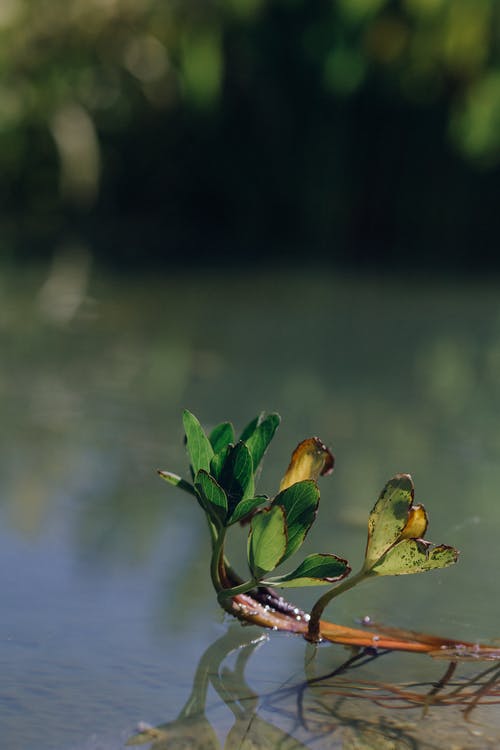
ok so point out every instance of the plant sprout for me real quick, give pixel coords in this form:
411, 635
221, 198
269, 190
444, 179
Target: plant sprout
223, 479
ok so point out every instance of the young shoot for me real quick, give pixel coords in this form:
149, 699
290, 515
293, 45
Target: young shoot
223, 472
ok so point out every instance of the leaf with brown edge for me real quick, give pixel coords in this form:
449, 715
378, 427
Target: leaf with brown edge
300, 503
316, 570
310, 460
389, 517
414, 556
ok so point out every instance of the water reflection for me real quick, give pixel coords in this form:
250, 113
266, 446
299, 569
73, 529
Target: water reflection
338, 709
192, 729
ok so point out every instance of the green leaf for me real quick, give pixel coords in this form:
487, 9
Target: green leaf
316, 570
218, 461
388, 517
198, 445
251, 427
236, 476
246, 507
221, 436
414, 556
261, 437
211, 495
177, 481
267, 541
300, 502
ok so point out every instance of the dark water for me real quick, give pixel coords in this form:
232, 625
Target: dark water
107, 607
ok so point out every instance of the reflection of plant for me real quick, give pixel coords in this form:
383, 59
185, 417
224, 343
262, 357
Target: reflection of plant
223, 472
192, 729
338, 706
329, 695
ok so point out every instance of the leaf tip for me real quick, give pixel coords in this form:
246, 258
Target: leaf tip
403, 482
328, 457
447, 549
404, 478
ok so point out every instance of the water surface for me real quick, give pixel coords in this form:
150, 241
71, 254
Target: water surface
107, 604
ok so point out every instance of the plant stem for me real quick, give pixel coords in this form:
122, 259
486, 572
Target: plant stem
217, 559
313, 633
213, 532
243, 588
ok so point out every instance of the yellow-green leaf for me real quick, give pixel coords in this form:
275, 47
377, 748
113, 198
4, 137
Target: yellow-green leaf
414, 556
388, 517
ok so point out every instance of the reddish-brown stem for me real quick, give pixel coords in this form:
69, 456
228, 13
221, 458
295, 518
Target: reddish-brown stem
247, 608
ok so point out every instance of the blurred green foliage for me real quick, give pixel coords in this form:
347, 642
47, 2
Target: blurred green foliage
354, 126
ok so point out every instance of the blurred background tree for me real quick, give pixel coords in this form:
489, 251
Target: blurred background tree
367, 131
